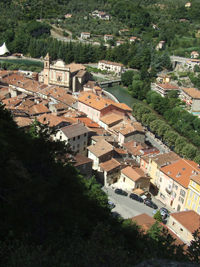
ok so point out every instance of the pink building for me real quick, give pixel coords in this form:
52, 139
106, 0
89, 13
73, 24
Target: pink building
96, 107
173, 182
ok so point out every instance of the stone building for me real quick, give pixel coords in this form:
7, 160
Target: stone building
72, 76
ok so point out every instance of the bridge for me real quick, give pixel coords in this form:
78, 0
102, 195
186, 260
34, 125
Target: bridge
110, 83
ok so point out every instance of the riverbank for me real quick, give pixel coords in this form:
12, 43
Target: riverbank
22, 58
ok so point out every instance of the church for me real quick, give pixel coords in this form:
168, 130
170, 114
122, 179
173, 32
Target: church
72, 76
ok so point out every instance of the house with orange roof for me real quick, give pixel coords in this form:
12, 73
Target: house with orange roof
154, 162
110, 120
134, 178
183, 224
4, 93
37, 110
100, 152
163, 78
96, 107
164, 88
52, 121
192, 98
76, 135
85, 35
173, 183
23, 122
127, 130
109, 171
134, 39
193, 196
109, 66
146, 222
135, 150
194, 54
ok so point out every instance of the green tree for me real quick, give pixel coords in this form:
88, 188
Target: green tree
189, 151
162, 128
193, 249
170, 138
157, 216
127, 77
173, 94
154, 125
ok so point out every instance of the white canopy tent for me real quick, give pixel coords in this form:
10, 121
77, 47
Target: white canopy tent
3, 49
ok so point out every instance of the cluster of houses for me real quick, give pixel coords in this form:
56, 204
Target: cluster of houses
105, 138
191, 96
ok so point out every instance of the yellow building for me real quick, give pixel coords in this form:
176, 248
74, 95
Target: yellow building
193, 196
155, 163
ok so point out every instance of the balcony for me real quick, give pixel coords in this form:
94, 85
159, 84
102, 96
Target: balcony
169, 191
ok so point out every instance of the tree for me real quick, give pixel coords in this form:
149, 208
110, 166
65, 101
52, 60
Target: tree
196, 68
148, 118
127, 77
173, 94
157, 216
189, 151
154, 125
193, 249
155, 231
170, 138
162, 128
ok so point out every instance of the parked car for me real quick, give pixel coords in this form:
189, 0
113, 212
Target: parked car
121, 192
163, 211
111, 205
150, 204
136, 197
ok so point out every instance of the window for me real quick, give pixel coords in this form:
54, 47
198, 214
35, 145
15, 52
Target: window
193, 206
73, 147
162, 196
173, 223
68, 140
61, 137
195, 197
77, 151
74, 138
84, 142
150, 168
79, 137
85, 134
157, 174
142, 163
191, 194
181, 229
189, 202
175, 186
160, 179
181, 200
193, 184
182, 193
84, 148
78, 146
173, 194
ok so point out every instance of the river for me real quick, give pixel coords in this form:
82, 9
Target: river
26, 62
122, 95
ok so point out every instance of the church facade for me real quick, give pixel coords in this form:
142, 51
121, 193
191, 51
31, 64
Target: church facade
72, 76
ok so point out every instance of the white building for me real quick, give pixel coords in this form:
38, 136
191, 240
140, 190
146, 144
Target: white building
85, 35
111, 67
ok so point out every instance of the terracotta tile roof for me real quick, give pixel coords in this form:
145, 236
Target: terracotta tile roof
165, 159
12, 102
127, 162
67, 99
168, 86
73, 113
38, 109
181, 171
134, 148
111, 118
88, 122
191, 224
94, 101
75, 67
193, 92
147, 221
121, 151
3, 73
81, 73
90, 84
50, 119
110, 165
99, 131
108, 138
134, 173
100, 148
196, 178
74, 130
77, 160
23, 121
127, 128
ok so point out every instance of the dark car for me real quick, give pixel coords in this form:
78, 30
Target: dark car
121, 192
164, 212
136, 197
150, 204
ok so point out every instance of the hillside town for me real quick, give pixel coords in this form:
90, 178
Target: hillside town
106, 140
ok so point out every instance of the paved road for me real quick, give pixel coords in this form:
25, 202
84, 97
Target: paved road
126, 206
179, 59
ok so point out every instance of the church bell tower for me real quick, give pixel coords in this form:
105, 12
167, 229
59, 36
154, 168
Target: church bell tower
47, 62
